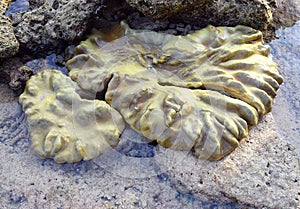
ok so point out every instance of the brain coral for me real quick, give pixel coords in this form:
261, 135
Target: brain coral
62, 125
199, 91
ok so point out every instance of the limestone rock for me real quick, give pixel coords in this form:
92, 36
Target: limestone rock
178, 90
54, 22
19, 77
33, 4
263, 172
71, 19
14, 72
256, 13
9, 45
62, 125
165, 8
31, 33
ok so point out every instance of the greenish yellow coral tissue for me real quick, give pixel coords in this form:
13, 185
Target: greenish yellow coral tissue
180, 118
199, 91
62, 125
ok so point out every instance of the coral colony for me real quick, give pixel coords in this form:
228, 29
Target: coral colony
198, 92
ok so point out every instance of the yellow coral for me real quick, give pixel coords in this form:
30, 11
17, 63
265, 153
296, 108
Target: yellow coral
62, 125
199, 91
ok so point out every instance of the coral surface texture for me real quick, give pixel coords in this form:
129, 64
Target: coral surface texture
62, 125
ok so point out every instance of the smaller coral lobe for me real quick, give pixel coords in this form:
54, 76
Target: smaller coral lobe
64, 126
197, 92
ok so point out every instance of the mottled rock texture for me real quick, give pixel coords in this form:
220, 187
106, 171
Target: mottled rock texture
263, 172
255, 13
165, 8
53, 22
9, 45
14, 72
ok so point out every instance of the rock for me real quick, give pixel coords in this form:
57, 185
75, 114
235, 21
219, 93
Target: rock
31, 32
165, 8
53, 22
19, 77
263, 172
71, 18
33, 4
256, 14
9, 45
14, 72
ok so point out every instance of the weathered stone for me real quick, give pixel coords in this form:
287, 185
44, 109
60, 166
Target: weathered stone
14, 72
256, 13
31, 33
54, 22
71, 18
263, 172
165, 8
33, 4
9, 45
19, 77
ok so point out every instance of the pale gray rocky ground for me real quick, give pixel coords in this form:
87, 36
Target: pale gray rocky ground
263, 172
286, 110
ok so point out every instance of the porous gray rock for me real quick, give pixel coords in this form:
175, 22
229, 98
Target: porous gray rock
263, 172
53, 22
14, 72
33, 4
165, 8
255, 13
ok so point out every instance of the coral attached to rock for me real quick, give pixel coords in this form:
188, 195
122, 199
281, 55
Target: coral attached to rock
9, 45
64, 126
199, 91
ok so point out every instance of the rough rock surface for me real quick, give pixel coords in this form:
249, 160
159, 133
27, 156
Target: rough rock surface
263, 172
14, 72
33, 4
9, 45
54, 22
165, 8
286, 111
256, 13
